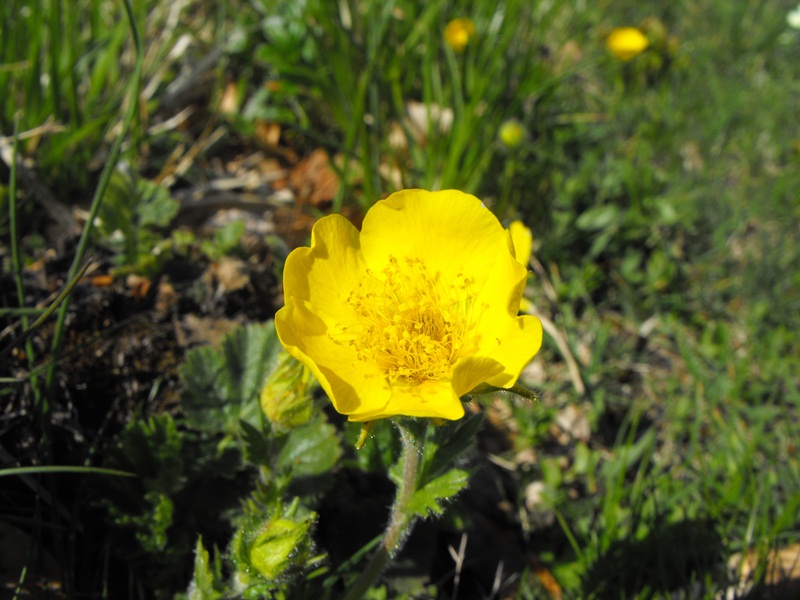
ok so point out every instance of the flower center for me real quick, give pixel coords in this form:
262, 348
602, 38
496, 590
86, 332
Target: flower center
414, 328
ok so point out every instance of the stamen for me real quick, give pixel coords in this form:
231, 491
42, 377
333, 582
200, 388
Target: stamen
416, 327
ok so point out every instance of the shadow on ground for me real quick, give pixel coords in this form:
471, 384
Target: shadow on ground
672, 557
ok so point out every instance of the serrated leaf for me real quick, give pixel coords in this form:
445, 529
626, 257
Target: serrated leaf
256, 445
154, 204
249, 354
428, 499
207, 581
152, 449
310, 449
222, 387
151, 527
132, 208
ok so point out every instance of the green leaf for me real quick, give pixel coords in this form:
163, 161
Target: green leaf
249, 354
598, 217
256, 445
154, 205
153, 525
226, 238
311, 449
428, 499
132, 208
207, 579
222, 386
151, 449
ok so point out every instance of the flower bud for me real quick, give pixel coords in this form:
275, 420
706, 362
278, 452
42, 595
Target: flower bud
282, 544
286, 396
512, 133
269, 551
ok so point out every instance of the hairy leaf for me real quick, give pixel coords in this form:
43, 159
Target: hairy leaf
429, 498
311, 449
223, 386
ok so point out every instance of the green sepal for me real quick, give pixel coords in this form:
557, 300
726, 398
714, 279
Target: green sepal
281, 544
268, 548
449, 443
517, 388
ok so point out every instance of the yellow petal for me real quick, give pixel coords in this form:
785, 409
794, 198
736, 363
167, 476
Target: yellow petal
431, 399
326, 273
499, 297
317, 282
499, 333
471, 371
453, 233
351, 384
523, 242
515, 349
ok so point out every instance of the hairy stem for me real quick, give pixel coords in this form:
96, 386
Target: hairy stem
400, 521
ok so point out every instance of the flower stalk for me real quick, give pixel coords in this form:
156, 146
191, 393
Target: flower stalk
401, 519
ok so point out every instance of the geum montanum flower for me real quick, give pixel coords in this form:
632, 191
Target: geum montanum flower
458, 33
627, 43
413, 312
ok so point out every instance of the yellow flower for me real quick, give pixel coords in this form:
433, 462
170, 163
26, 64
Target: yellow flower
627, 42
413, 312
458, 33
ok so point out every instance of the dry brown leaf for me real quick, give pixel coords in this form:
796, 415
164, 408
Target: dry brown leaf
231, 274
313, 179
102, 280
781, 571
138, 285
229, 102
166, 298
571, 423
268, 134
548, 581
196, 330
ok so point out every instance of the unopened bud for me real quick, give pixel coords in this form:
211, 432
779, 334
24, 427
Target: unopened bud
512, 133
286, 396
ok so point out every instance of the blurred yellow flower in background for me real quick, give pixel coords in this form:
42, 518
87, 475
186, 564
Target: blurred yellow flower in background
413, 312
458, 33
627, 42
